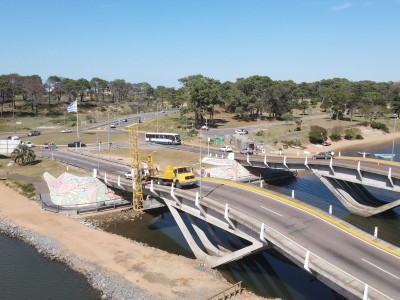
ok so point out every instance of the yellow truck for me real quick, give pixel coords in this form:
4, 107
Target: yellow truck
180, 176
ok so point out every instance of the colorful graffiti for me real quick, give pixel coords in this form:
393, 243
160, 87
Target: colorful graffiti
72, 190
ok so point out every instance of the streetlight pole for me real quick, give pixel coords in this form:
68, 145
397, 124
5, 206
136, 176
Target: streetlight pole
98, 152
108, 131
394, 133
200, 165
157, 116
13, 102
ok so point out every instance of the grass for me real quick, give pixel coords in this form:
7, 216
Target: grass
37, 169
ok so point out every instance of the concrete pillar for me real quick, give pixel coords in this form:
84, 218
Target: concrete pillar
376, 232
94, 173
105, 177
262, 183
330, 209
292, 193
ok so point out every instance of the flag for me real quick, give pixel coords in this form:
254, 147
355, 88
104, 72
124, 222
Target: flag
73, 107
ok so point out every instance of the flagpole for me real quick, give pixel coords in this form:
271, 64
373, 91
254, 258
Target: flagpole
77, 120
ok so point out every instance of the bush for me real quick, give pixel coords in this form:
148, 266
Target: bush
317, 135
336, 133
359, 137
192, 132
260, 133
365, 123
352, 133
297, 128
380, 126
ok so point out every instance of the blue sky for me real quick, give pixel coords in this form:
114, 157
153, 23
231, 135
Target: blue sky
160, 41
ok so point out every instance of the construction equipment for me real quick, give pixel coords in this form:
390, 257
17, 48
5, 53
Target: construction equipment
179, 176
136, 165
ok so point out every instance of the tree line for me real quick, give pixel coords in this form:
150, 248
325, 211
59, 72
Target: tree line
248, 98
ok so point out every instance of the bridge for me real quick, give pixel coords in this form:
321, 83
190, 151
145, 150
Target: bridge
345, 177
350, 261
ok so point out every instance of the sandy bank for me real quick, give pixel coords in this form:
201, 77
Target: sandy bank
152, 273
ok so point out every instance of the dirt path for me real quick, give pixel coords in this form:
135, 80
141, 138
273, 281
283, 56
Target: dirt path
158, 273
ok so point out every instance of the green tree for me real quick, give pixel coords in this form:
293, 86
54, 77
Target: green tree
23, 155
303, 105
287, 117
200, 93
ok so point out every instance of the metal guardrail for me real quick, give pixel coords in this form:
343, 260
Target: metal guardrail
82, 208
228, 293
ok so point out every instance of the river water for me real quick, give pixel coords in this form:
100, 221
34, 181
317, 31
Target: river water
25, 274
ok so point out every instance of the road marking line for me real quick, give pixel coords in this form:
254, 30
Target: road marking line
274, 212
310, 211
379, 268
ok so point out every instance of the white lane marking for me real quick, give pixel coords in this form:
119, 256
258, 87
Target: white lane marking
274, 212
380, 268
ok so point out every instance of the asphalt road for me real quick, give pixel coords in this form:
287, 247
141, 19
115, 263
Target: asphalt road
372, 265
376, 267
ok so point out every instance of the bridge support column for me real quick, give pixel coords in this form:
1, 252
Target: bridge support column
217, 256
343, 192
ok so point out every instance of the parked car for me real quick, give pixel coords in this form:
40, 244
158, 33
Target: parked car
324, 155
66, 131
33, 133
204, 127
28, 144
113, 125
14, 138
76, 144
49, 145
226, 149
241, 131
246, 151
128, 175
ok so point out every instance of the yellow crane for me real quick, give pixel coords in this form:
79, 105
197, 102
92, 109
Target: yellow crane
136, 165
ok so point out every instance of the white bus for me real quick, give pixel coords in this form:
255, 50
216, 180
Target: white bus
163, 138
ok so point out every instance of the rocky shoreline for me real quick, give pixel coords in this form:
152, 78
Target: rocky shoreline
109, 286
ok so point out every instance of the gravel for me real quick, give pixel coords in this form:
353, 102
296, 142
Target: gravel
110, 285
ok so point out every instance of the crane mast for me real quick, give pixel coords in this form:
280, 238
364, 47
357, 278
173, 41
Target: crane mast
136, 165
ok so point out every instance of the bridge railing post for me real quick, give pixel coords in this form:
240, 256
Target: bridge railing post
307, 261
376, 232
365, 297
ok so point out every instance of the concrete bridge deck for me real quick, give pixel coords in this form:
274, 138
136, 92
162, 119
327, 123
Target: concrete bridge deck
355, 264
